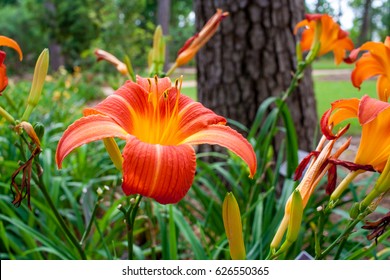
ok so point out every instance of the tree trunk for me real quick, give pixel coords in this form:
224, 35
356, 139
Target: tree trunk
364, 30
252, 57
163, 17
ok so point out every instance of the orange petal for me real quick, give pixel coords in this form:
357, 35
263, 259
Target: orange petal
344, 109
162, 84
125, 106
228, 138
195, 117
7, 42
85, 130
300, 24
366, 67
3, 77
164, 173
383, 88
370, 108
374, 148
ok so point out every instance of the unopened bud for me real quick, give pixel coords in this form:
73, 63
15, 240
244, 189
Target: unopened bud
294, 224
233, 227
114, 152
39, 129
40, 72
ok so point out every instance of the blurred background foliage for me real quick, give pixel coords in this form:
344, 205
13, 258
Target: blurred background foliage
73, 29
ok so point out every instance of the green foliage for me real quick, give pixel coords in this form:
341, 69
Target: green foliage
379, 19
20, 21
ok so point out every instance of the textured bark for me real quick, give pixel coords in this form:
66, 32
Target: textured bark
163, 17
252, 57
366, 21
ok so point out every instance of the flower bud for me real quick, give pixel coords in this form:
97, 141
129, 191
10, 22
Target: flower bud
114, 152
294, 223
233, 227
40, 72
39, 129
28, 128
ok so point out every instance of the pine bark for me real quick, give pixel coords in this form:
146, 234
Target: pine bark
252, 57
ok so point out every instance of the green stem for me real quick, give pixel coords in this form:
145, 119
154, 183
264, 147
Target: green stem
39, 181
10, 101
6, 115
88, 229
130, 218
319, 233
343, 236
359, 254
295, 80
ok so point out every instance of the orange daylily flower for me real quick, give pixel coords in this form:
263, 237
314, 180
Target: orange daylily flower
374, 62
374, 117
160, 126
5, 41
193, 44
332, 38
319, 165
104, 55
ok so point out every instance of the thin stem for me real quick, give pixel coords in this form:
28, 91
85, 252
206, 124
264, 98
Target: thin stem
39, 181
319, 233
295, 80
88, 229
130, 218
6, 115
343, 236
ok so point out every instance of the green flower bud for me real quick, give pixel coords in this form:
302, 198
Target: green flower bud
40, 72
39, 129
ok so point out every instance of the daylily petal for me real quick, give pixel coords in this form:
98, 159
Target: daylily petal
366, 67
228, 138
375, 62
85, 130
164, 173
3, 73
149, 84
383, 88
374, 117
194, 117
126, 106
370, 108
7, 42
379, 51
374, 148
332, 38
344, 109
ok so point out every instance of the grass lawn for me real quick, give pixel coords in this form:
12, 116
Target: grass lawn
328, 63
326, 92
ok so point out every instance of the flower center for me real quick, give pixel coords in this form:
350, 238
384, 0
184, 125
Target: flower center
160, 122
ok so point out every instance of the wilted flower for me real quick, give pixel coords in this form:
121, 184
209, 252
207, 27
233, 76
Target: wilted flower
193, 44
104, 55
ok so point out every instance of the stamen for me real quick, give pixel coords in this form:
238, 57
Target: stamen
165, 94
